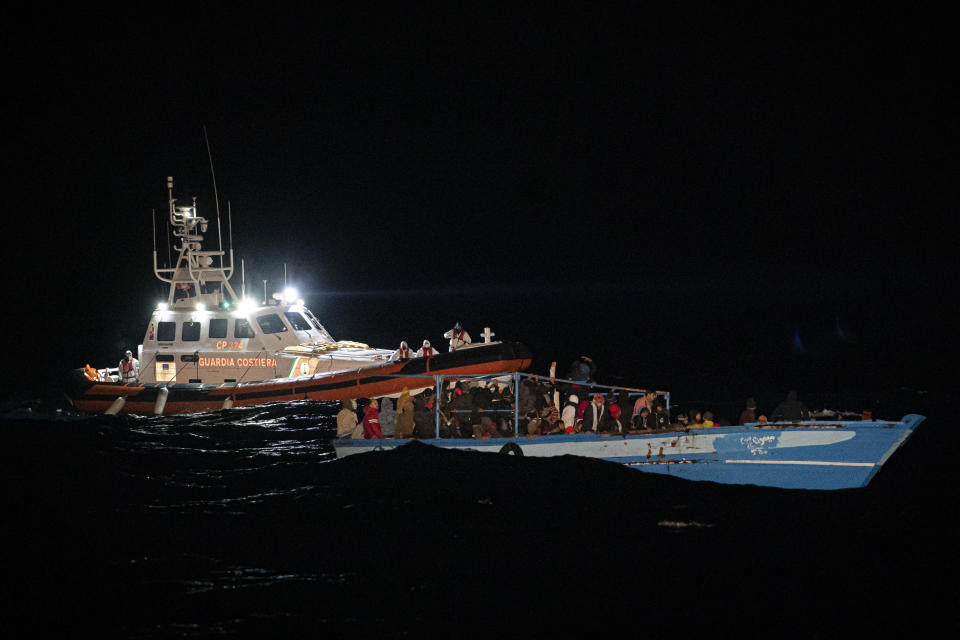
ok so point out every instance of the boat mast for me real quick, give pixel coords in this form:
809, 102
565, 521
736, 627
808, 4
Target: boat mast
216, 197
194, 267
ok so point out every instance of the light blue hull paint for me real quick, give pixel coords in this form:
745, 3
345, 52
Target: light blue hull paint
812, 455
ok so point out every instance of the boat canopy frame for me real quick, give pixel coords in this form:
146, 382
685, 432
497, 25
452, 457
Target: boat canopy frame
515, 378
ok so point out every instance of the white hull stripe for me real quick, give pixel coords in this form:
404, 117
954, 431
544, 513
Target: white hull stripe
805, 462
906, 434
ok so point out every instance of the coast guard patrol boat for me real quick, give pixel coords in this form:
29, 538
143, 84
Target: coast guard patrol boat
206, 348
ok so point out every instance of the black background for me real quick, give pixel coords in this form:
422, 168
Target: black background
716, 201
722, 202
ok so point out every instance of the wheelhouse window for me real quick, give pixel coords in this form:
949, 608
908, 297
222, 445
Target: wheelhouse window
166, 331
218, 328
190, 331
242, 329
271, 323
324, 334
297, 321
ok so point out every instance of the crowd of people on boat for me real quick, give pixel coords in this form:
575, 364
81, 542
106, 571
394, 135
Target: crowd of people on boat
485, 408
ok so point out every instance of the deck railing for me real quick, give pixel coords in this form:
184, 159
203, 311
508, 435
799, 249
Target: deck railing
515, 378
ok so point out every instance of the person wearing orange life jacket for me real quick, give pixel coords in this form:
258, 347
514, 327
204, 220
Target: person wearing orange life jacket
426, 350
129, 368
182, 290
458, 337
403, 353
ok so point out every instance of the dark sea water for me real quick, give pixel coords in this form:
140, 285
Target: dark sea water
243, 523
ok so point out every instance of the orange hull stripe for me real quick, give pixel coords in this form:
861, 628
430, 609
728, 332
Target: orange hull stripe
359, 390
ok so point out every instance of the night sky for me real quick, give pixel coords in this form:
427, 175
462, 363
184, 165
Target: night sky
716, 201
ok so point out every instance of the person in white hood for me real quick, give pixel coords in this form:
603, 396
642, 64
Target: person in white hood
403, 353
129, 368
569, 415
426, 350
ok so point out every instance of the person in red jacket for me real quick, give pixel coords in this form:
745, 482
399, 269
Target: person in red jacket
371, 420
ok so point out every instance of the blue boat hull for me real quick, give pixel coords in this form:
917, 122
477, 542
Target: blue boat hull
811, 455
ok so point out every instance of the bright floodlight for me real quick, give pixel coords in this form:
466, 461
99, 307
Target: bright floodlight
162, 306
245, 306
201, 306
290, 294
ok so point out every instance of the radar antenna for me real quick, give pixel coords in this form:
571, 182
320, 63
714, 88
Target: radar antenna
194, 270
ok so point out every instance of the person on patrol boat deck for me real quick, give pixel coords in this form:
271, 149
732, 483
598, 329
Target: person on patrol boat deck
426, 350
458, 337
403, 353
129, 368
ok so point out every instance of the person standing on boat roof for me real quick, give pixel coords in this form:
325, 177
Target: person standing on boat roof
129, 368
582, 369
458, 337
426, 350
403, 353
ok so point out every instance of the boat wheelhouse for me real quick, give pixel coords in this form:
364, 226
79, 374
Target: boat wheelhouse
262, 342
205, 333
